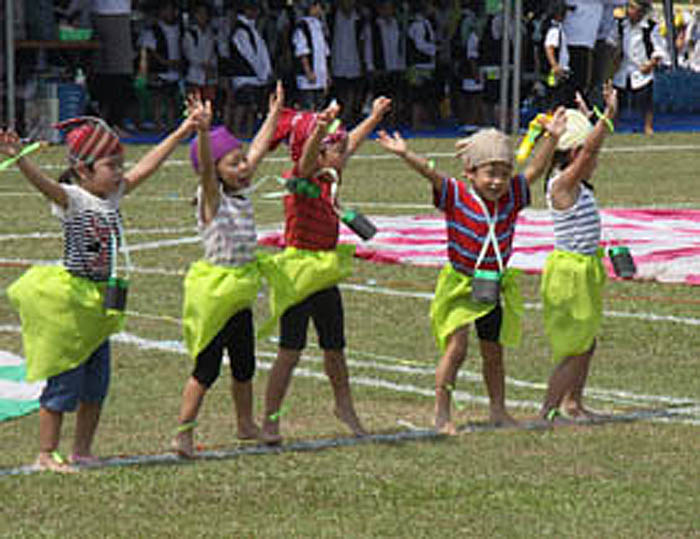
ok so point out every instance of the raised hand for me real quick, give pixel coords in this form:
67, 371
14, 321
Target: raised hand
199, 113
276, 101
9, 143
393, 143
556, 125
610, 98
380, 106
582, 105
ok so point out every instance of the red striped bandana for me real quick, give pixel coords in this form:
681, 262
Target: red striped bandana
89, 138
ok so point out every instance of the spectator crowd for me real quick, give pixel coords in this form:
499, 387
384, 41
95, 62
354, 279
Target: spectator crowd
434, 58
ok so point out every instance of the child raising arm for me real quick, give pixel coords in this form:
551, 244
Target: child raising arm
304, 277
65, 325
471, 283
221, 288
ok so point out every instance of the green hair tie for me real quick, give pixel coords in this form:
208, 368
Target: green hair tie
26, 150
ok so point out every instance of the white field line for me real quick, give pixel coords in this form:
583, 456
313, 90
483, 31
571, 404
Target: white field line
618, 397
646, 317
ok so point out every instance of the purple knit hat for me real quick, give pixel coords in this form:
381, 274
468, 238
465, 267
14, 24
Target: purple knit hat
222, 142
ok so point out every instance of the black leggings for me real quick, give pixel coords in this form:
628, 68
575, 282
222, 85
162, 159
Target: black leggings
238, 337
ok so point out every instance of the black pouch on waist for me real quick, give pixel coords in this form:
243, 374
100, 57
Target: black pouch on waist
115, 294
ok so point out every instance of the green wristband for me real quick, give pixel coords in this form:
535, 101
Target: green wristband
26, 150
603, 117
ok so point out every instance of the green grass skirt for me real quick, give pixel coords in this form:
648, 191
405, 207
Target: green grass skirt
63, 320
453, 308
572, 290
294, 274
213, 294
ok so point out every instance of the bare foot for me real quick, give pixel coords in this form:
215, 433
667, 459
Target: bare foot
554, 417
445, 427
84, 460
183, 444
270, 433
248, 431
351, 420
502, 419
580, 412
53, 462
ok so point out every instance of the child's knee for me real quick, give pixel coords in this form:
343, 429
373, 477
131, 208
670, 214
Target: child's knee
243, 369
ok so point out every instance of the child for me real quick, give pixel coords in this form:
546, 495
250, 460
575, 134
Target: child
560, 90
163, 42
220, 290
65, 327
305, 275
641, 50
311, 53
574, 276
477, 213
251, 69
199, 49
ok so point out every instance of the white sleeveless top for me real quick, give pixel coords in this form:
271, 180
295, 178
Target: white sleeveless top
230, 239
576, 229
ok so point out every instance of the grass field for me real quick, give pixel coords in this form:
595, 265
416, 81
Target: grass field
634, 479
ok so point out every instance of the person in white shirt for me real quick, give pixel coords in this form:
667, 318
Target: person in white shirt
114, 64
250, 69
581, 28
346, 25
603, 53
385, 57
311, 53
560, 90
466, 61
199, 50
421, 51
641, 51
162, 40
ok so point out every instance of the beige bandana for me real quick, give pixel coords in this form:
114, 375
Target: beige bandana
485, 146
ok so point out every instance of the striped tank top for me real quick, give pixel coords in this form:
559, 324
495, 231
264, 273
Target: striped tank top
576, 229
230, 239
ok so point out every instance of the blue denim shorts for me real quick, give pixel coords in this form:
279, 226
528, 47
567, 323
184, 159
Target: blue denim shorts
88, 382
